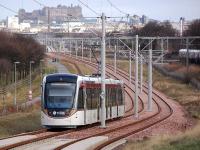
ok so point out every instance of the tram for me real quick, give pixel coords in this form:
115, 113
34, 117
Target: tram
70, 100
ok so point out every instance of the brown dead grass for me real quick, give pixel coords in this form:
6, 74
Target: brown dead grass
83, 67
177, 90
181, 141
194, 70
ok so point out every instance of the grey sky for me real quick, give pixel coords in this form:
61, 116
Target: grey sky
155, 9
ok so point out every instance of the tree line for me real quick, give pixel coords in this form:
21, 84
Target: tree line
164, 29
18, 48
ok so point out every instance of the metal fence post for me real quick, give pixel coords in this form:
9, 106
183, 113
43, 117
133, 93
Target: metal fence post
162, 50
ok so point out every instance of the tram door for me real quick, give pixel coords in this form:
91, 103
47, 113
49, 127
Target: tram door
98, 108
99, 104
108, 104
85, 105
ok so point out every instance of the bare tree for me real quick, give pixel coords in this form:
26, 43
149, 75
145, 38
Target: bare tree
18, 48
157, 29
194, 30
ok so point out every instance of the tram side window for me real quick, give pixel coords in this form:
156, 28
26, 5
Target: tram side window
113, 96
108, 96
89, 98
95, 98
80, 99
99, 98
120, 97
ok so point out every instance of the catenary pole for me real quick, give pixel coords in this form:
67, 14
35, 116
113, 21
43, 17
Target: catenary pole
70, 50
136, 78
76, 48
82, 48
103, 90
115, 59
150, 79
90, 54
187, 55
130, 66
162, 49
141, 72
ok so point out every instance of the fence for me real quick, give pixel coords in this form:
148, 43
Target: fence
7, 92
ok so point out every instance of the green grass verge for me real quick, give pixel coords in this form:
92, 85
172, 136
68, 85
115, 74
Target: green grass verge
29, 119
22, 91
20, 122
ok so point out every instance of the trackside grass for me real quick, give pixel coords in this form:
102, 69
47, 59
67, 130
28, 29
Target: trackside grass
29, 120
187, 96
22, 91
72, 69
20, 122
190, 140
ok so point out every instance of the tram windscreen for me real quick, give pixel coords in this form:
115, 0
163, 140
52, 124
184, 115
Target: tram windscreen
60, 95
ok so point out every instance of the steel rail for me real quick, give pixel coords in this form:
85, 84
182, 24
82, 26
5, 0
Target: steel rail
112, 130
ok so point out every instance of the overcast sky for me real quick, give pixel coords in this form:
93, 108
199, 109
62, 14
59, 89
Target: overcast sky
155, 9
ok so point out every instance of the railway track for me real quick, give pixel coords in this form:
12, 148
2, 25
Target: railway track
155, 96
48, 134
27, 133
121, 130
144, 123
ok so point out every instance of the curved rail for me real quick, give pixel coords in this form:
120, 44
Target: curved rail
156, 97
138, 130
128, 125
50, 135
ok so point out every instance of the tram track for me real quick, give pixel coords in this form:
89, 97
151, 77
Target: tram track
113, 130
155, 96
49, 134
125, 75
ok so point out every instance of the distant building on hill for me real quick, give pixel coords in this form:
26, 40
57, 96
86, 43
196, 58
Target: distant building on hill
58, 14
137, 20
13, 22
